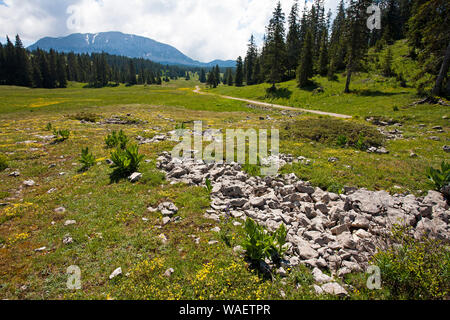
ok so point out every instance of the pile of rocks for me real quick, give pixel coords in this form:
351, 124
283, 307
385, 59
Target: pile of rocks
325, 230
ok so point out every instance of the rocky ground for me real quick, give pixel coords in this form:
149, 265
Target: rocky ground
326, 231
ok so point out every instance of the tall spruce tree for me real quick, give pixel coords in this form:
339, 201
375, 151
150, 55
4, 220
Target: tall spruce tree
275, 49
356, 36
239, 78
250, 60
202, 76
429, 36
23, 68
132, 74
293, 41
305, 68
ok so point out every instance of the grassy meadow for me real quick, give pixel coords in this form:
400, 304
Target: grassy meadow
113, 227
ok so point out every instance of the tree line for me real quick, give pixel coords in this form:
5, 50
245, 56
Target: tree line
315, 44
41, 69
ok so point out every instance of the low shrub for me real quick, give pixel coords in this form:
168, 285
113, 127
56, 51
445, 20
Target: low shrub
85, 116
87, 159
439, 178
115, 140
3, 162
333, 131
126, 161
61, 135
260, 244
414, 268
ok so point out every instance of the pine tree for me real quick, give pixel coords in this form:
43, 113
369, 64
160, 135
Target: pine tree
22, 65
217, 75
387, 63
132, 74
230, 77
188, 76
239, 79
322, 67
293, 41
356, 36
275, 51
250, 60
61, 71
38, 81
337, 46
2, 65
202, 76
44, 67
429, 37
10, 63
305, 68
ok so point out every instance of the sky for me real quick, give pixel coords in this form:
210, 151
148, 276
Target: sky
204, 30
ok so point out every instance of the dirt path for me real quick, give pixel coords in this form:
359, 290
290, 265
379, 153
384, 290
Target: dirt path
276, 106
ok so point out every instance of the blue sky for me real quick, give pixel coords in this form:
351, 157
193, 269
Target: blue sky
203, 29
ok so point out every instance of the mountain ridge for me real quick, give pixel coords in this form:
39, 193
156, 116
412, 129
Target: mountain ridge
129, 45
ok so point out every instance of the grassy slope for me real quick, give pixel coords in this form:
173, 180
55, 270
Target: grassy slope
110, 231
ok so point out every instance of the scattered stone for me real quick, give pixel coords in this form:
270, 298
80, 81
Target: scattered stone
334, 288
446, 148
135, 177
115, 273
60, 210
320, 277
216, 229
29, 183
51, 190
69, 222
163, 238
40, 249
169, 272
212, 242
14, 174
238, 249
333, 159
67, 239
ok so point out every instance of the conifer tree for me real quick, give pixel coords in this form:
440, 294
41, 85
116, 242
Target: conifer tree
356, 36
305, 68
230, 77
61, 75
275, 51
22, 65
293, 41
250, 60
239, 79
132, 74
202, 76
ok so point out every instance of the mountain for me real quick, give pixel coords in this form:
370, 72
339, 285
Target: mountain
117, 43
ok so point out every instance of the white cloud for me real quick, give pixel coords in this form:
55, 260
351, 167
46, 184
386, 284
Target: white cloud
202, 29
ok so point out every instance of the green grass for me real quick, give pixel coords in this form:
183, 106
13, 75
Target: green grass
110, 231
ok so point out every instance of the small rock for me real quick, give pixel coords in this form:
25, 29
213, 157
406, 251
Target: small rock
163, 238
320, 277
70, 222
51, 190
169, 272
166, 220
40, 249
281, 272
29, 183
334, 289
67, 239
14, 174
238, 249
216, 229
212, 242
60, 210
115, 273
333, 160
135, 177
446, 148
